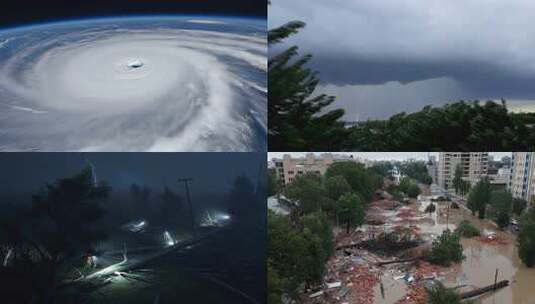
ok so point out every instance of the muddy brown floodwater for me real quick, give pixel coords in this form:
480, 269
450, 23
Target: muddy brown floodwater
354, 276
484, 256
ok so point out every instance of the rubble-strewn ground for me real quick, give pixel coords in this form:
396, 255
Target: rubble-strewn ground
354, 276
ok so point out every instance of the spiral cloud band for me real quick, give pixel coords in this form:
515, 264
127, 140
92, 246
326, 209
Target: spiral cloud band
134, 85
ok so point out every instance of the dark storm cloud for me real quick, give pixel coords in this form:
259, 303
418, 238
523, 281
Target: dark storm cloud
17, 12
27, 172
486, 46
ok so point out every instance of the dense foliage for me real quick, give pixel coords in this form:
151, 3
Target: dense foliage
460, 186
363, 181
297, 253
65, 219
519, 205
501, 202
526, 238
300, 244
409, 187
273, 186
441, 295
479, 197
416, 170
464, 126
446, 249
298, 121
351, 210
466, 229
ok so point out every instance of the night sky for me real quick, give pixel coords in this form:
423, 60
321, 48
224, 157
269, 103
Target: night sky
212, 172
19, 12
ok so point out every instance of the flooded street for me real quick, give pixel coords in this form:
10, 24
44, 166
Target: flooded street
483, 258
366, 278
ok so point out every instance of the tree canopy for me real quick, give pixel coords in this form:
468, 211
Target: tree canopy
479, 197
298, 119
526, 238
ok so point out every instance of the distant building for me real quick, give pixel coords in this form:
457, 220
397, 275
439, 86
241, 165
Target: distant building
474, 166
501, 177
288, 168
507, 161
396, 175
522, 179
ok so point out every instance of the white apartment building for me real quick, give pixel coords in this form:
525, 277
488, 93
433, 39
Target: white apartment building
522, 181
474, 165
288, 167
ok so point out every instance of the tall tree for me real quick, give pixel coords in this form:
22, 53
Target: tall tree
362, 180
351, 210
273, 183
298, 121
64, 222
458, 179
479, 197
526, 238
307, 191
502, 205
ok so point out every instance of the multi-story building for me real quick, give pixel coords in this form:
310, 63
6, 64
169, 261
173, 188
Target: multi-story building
501, 177
288, 168
522, 181
474, 165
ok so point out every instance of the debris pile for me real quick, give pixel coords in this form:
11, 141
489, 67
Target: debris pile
351, 278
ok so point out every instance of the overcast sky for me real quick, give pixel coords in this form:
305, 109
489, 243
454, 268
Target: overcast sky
382, 155
381, 57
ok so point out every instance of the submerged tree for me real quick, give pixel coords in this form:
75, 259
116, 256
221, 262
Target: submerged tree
298, 121
479, 197
502, 206
441, 295
446, 249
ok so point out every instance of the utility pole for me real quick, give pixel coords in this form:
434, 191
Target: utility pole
186, 182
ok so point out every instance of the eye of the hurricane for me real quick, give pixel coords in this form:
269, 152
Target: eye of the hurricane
135, 64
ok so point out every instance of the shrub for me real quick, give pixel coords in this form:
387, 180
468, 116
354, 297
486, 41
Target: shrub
446, 249
466, 229
441, 295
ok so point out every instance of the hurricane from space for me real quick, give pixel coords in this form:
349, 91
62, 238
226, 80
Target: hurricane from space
134, 84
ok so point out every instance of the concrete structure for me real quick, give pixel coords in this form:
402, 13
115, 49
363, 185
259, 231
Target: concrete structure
474, 165
522, 180
396, 175
288, 168
501, 178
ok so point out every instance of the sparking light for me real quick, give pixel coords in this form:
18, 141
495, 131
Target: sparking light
168, 239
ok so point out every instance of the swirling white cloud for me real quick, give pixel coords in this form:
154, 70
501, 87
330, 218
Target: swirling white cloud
108, 87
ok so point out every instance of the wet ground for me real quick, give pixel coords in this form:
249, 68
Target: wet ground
365, 282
